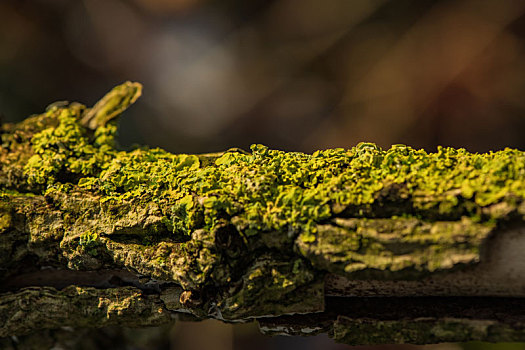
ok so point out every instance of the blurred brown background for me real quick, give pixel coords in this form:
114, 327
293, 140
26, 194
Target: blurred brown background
293, 74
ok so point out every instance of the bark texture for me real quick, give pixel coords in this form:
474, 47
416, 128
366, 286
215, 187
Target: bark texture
92, 236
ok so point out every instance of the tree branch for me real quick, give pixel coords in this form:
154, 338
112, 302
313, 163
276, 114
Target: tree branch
93, 236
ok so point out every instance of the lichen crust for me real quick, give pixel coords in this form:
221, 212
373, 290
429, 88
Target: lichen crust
223, 226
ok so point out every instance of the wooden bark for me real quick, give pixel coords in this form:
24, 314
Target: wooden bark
368, 245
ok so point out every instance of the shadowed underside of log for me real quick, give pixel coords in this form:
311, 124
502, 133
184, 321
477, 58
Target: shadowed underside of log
359, 243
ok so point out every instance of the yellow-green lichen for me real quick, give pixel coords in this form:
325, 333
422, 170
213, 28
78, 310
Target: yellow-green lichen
149, 195
89, 241
35, 308
268, 190
144, 204
392, 246
273, 286
274, 190
244, 234
66, 152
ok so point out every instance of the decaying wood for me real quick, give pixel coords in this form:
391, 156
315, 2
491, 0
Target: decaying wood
368, 245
